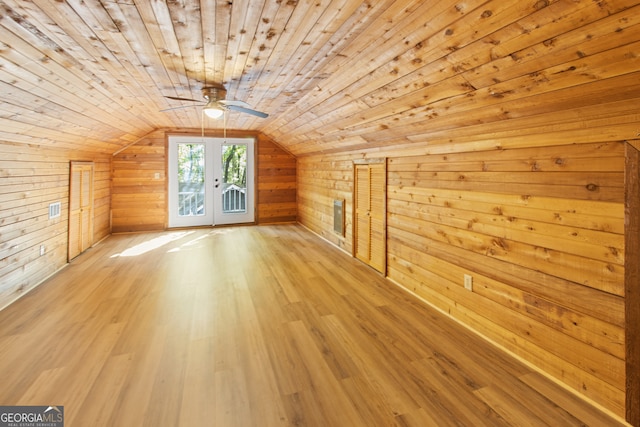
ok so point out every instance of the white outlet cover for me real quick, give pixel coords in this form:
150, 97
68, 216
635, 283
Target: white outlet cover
468, 282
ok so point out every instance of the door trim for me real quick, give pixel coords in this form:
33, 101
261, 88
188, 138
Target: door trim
632, 281
212, 142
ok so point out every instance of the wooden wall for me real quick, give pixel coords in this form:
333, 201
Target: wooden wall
139, 201
139, 183
276, 183
321, 180
540, 229
30, 179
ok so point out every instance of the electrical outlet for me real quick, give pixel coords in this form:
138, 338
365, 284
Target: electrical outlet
468, 282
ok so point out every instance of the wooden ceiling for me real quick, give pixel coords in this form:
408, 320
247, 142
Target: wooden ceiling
333, 74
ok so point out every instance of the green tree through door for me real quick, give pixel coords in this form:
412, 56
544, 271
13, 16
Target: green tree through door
234, 160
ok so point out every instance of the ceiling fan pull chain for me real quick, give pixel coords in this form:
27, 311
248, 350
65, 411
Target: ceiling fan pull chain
202, 125
224, 124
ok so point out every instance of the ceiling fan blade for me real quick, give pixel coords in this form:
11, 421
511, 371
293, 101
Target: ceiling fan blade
247, 110
176, 98
236, 103
178, 108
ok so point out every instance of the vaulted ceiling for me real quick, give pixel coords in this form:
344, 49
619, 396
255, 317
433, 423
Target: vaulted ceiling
332, 74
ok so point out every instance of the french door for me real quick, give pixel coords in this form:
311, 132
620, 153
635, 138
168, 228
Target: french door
211, 181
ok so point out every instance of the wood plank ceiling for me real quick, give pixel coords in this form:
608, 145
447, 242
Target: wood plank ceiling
332, 74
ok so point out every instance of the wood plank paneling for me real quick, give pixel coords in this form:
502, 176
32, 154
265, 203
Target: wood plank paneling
470, 64
541, 231
332, 75
139, 186
321, 180
31, 178
139, 182
276, 176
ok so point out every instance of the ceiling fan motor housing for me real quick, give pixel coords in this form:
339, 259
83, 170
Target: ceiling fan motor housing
214, 93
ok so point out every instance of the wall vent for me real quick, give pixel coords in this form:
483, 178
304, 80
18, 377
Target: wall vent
54, 210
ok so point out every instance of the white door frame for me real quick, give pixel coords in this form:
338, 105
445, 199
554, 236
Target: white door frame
213, 211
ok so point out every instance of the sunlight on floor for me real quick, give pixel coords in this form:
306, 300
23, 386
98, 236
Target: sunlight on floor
152, 244
163, 240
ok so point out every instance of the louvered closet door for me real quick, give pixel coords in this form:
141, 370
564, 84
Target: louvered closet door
370, 214
362, 210
80, 208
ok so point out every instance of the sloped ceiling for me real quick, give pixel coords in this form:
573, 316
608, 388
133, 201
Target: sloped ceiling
332, 74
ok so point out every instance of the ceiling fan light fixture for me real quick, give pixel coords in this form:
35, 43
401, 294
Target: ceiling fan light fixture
213, 110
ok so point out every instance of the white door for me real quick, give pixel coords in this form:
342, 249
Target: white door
211, 181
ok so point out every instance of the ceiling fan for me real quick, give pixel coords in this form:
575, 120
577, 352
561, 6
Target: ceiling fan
216, 105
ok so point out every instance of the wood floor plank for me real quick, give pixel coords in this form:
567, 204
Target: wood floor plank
134, 403
568, 401
82, 370
445, 395
520, 394
199, 384
377, 376
511, 409
44, 388
231, 400
323, 392
100, 407
256, 326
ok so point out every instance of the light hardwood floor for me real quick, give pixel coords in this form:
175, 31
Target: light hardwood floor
256, 326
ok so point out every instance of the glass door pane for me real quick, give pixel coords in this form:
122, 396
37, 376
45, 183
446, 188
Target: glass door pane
191, 179
190, 198
234, 178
